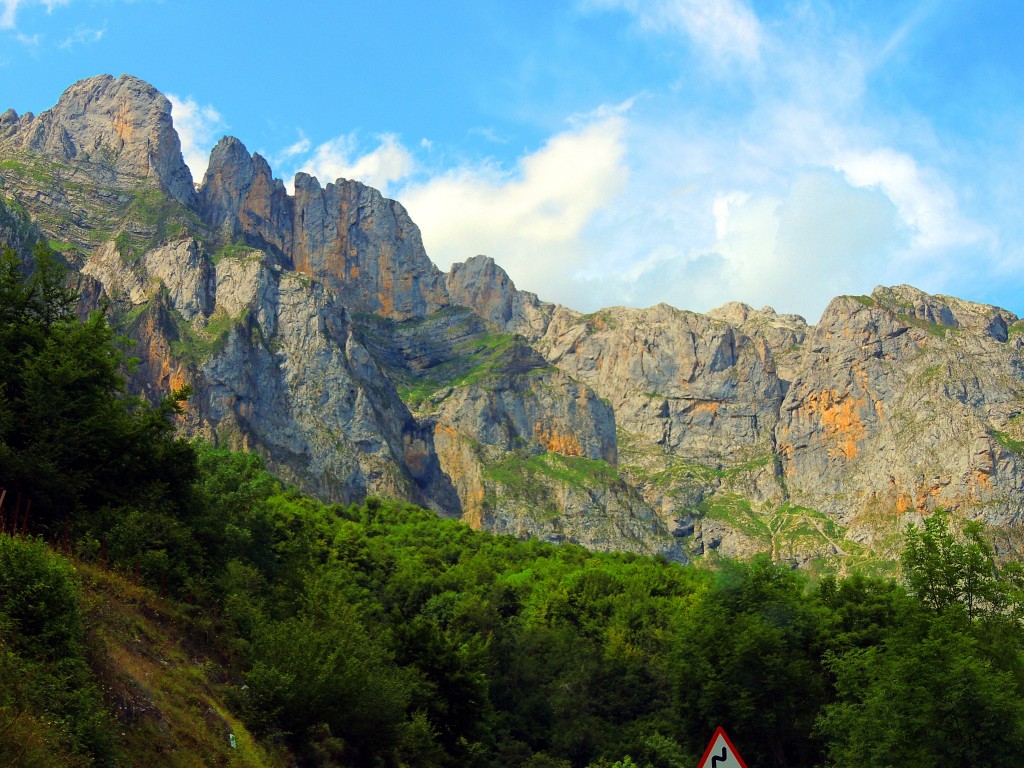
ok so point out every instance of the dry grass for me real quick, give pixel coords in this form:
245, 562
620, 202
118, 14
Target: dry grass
163, 680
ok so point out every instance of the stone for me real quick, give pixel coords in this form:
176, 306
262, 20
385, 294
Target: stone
120, 129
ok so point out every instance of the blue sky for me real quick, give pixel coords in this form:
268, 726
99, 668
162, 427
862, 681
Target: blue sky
609, 151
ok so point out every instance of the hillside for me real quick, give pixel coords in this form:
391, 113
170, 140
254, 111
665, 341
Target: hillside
313, 328
168, 603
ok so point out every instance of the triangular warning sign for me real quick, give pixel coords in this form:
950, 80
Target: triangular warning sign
721, 753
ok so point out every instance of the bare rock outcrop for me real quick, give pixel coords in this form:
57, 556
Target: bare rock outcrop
485, 287
118, 130
346, 235
905, 403
677, 379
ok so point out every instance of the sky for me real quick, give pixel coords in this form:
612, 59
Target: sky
608, 152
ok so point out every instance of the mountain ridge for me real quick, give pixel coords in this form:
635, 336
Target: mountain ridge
314, 328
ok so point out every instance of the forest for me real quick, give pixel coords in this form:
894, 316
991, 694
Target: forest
379, 634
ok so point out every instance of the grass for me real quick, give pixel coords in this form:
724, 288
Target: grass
600, 320
935, 329
737, 513
520, 474
866, 301
535, 483
792, 533
933, 373
163, 678
450, 348
681, 472
198, 341
58, 247
35, 168
800, 530
475, 361
14, 165
151, 219
132, 315
1009, 443
233, 251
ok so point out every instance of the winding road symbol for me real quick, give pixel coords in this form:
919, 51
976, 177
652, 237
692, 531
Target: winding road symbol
721, 753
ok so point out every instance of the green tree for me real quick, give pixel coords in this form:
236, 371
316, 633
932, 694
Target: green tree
747, 658
950, 572
933, 678
70, 438
49, 701
930, 694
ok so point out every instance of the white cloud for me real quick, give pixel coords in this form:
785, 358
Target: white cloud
199, 128
300, 147
338, 158
795, 250
727, 29
9, 9
926, 203
786, 190
488, 134
532, 219
82, 35
824, 238
789, 198
722, 210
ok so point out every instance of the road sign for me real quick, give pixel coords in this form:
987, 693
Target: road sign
721, 753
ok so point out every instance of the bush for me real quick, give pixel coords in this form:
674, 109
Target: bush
47, 692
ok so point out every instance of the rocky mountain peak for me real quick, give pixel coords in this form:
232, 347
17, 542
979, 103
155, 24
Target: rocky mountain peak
736, 312
366, 248
480, 284
119, 128
361, 245
945, 310
240, 197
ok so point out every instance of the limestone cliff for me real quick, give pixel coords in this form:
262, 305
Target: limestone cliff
314, 329
115, 131
749, 430
905, 403
346, 235
311, 327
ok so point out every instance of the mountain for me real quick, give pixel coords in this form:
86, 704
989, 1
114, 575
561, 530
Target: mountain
314, 329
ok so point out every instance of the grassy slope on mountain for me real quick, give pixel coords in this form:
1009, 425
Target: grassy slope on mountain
149, 678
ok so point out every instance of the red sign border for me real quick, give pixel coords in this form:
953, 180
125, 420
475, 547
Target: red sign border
728, 741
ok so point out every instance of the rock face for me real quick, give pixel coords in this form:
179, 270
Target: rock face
345, 235
784, 334
314, 329
906, 403
120, 130
483, 285
694, 385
